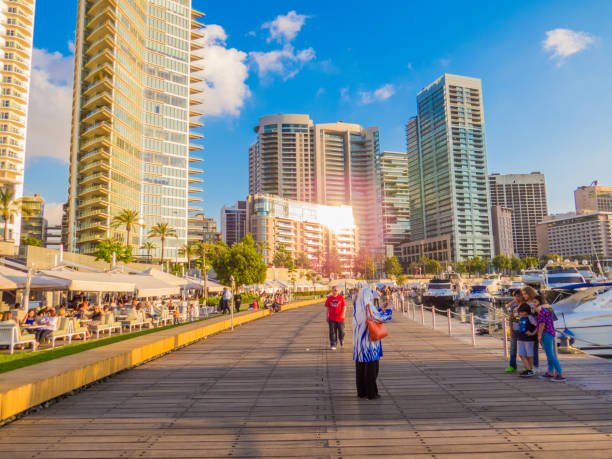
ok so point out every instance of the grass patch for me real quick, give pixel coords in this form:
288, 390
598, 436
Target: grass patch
9, 362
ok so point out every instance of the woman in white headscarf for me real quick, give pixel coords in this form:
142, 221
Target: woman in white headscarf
366, 353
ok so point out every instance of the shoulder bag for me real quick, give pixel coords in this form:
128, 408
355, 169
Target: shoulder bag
376, 329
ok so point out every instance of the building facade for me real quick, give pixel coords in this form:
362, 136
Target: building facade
136, 62
17, 19
203, 229
587, 234
447, 164
435, 248
331, 164
233, 222
315, 230
525, 195
53, 237
394, 197
501, 226
593, 198
33, 224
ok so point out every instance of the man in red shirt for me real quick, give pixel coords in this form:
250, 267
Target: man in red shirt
336, 310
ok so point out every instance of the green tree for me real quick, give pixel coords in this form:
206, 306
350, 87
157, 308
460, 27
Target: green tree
148, 246
129, 219
433, 267
516, 264
241, 260
392, 267
283, 258
501, 263
332, 264
27, 240
106, 247
530, 262
189, 251
554, 257
9, 206
460, 267
302, 261
476, 265
162, 231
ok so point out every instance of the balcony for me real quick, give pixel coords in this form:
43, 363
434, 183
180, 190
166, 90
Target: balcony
194, 180
98, 100
106, 28
195, 159
99, 201
96, 177
98, 72
95, 143
193, 189
97, 129
195, 147
106, 42
94, 155
99, 166
99, 114
101, 58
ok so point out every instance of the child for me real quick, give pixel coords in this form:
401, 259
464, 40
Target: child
546, 337
175, 313
526, 339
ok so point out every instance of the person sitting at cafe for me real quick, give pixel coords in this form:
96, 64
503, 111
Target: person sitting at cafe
48, 326
30, 318
97, 315
7, 319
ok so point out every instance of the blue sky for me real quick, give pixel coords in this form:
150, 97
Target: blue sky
546, 108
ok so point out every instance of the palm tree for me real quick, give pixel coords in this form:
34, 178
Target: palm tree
162, 231
148, 246
10, 206
188, 250
129, 219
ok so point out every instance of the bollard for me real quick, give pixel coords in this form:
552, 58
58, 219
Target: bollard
448, 314
506, 352
473, 329
422, 315
433, 316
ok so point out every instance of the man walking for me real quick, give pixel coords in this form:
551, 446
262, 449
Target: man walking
225, 300
237, 301
336, 310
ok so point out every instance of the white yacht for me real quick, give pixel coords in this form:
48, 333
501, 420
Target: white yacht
559, 277
439, 293
480, 294
532, 277
587, 315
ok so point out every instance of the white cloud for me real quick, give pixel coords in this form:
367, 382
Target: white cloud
285, 62
50, 105
380, 94
225, 73
285, 28
562, 43
320, 92
71, 46
53, 212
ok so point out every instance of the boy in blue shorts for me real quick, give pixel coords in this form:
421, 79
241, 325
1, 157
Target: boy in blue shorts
527, 336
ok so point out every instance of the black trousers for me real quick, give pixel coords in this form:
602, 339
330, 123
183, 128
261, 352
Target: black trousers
365, 376
336, 332
224, 305
237, 305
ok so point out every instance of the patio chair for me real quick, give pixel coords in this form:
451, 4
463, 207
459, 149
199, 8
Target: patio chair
132, 320
102, 327
12, 336
144, 320
113, 324
63, 331
78, 329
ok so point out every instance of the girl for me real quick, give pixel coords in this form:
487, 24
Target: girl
546, 337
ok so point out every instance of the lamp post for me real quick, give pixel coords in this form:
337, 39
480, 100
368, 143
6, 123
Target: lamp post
232, 304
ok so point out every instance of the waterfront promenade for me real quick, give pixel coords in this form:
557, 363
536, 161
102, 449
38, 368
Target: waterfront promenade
272, 388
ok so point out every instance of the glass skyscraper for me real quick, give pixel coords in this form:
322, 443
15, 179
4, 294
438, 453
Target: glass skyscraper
393, 168
133, 93
447, 165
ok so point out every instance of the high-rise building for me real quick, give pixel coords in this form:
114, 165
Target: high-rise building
233, 222
447, 167
501, 226
136, 65
53, 237
315, 230
571, 235
525, 195
202, 229
593, 198
33, 224
17, 19
395, 202
331, 164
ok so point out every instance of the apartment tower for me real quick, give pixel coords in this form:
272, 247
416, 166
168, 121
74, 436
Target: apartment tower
233, 222
525, 195
136, 73
331, 164
447, 164
593, 198
17, 19
395, 200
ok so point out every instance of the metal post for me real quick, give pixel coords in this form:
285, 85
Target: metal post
448, 314
422, 315
232, 303
473, 329
433, 317
506, 352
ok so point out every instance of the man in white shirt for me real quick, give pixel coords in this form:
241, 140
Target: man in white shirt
224, 304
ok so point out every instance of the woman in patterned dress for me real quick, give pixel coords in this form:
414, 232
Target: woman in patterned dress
366, 353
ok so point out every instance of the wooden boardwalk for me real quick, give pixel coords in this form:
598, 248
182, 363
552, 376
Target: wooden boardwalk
273, 389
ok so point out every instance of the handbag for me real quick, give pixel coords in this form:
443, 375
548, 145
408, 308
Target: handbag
376, 329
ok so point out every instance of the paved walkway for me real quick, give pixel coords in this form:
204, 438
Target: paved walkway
273, 389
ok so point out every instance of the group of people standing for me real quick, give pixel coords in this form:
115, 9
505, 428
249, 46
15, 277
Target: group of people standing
532, 325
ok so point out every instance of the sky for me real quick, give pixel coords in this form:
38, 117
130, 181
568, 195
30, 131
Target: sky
545, 68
